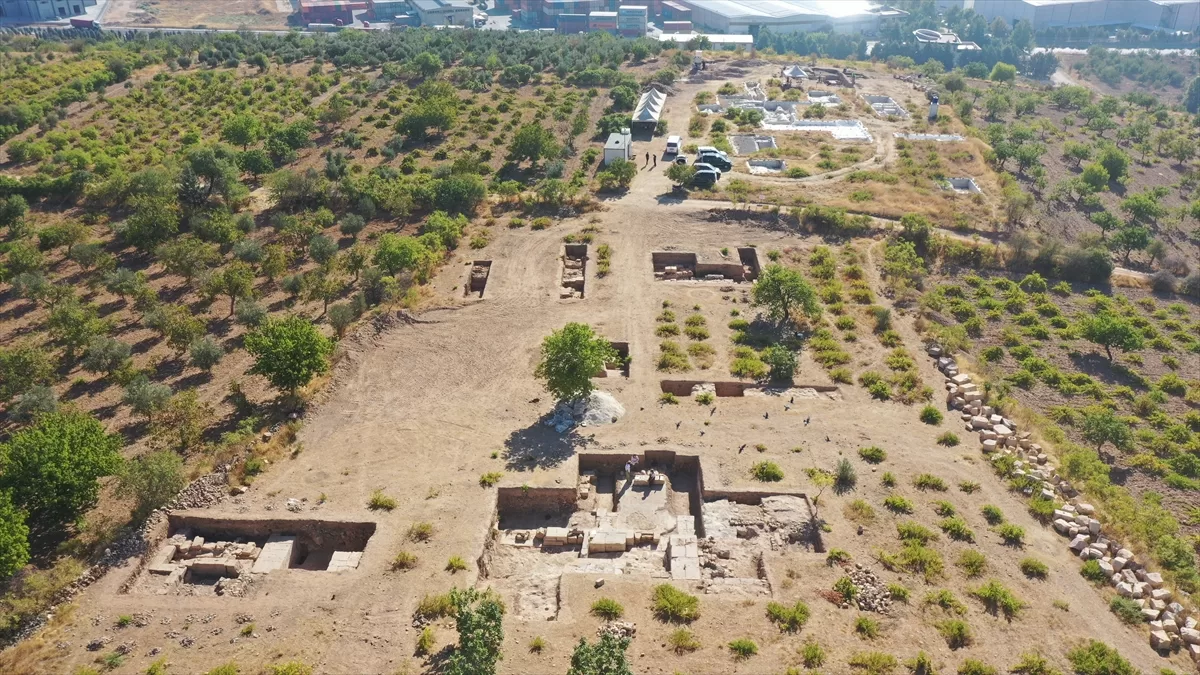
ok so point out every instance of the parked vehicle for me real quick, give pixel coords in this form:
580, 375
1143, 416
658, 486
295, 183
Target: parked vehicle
719, 161
704, 179
681, 159
674, 144
707, 149
705, 166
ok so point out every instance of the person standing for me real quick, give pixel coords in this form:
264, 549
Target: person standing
655, 158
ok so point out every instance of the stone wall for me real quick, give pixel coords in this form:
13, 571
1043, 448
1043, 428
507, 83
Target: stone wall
338, 535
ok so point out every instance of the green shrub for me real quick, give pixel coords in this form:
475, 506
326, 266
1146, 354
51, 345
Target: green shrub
788, 619
1032, 663
866, 627
969, 487
859, 511
435, 606
812, 655
743, 648
1091, 571
767, 472
683, 641
910, 531
998, 600
608, 609
1097, 658
845, 478
1126, 610
948, 439
992, 514
420, 532
889, 480
943, 508
837, 556
1012, 534
956, 528
845, 587
931, 415
1034, 568
898, 592
897, 504
973, 563
945, 600
425, 641
915, 558
379, 501
490, 478
956, 632
927, 481
975, 667
921, 664
673, 605
841, 375
873, 663
705, 398
404, 560
873, 454
667, 398
666, 330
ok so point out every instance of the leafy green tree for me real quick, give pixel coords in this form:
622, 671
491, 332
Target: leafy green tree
1078, 152
206, 353
618, 174
1095, 177
22, 257
66, 235
479, 619
782, 290
1130, 238
570, 358
37, 400
152, 480
533, 142
429, 113
177, 324
1100, 425
241, 130
355, 259
781, 361
154, 220
459, 193
288, 352
235, 281
187, 256
395, 254
256, 162
324, 286
1191, 99
322, 249
1114, 161
124, 282
51, 469
14, 537
340, 317
21, 367
12, 212
1003, 72
181, 423
73, 324
145, 397
681, 174
106, 355
1109, 329
1143, 207
427, 64
606, 657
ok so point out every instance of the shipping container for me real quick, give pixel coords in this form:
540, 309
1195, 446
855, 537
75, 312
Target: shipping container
674, 11
677, 26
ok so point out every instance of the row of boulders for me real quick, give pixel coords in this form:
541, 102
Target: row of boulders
1171, 624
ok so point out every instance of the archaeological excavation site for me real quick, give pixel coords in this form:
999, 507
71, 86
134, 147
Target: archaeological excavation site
487, 350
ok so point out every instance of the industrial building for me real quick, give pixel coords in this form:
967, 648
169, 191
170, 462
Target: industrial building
386, 10
444, 12
330, 11
788, 16
947, 41
1171, 15
43, 10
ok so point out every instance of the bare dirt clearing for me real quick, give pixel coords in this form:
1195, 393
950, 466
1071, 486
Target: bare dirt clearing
255, 14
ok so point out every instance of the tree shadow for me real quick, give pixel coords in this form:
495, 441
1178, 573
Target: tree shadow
106, 412
194, 380
110, 307
1097, 365
540, 446
17, 311
82, 388
145, 344
134, 430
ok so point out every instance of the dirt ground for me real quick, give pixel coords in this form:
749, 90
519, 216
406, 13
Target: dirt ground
257, 14
420, 411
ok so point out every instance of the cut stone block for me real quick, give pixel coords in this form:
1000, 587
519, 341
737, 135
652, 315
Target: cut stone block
1160, 640
1190, 635
277, 554
344, 560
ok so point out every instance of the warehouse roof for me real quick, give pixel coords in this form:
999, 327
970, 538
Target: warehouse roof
784, 9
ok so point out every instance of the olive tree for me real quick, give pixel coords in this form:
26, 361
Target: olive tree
288, 352
781, 290
570, 358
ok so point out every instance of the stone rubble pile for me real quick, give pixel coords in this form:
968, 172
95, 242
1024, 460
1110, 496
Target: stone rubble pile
1172, 625
873, 594
598, 408
617, 629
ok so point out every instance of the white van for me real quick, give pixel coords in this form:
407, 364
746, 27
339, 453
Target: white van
674, 144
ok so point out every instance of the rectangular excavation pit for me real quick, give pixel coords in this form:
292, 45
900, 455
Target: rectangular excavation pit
965, 185
620, 367
749, 257
765, 166
657, 518
885, 106
739, 389
685, 266
574, 270
478, 277
201, 550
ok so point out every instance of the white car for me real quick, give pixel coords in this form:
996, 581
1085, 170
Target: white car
704, 166
674, 143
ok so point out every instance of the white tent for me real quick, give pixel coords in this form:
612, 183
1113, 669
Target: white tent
649, 108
